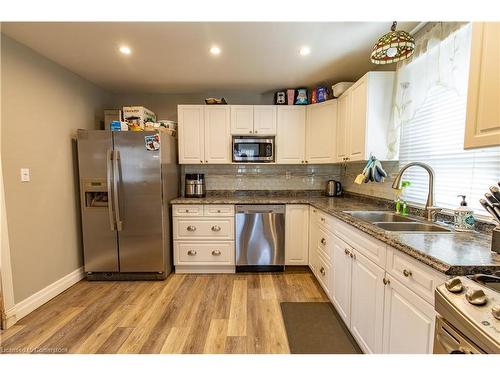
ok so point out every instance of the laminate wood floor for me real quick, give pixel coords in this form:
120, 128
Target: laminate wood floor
227, 313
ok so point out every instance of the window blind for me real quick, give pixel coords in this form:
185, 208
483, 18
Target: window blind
435, 135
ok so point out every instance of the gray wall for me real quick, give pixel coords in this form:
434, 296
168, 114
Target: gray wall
165, 105
42, 106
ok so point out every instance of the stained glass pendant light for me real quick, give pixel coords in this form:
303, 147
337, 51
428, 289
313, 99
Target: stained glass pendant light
394, 46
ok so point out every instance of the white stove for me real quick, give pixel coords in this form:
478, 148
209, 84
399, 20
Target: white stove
468, 320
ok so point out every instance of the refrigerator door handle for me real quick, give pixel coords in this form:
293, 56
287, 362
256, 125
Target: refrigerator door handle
116, 194
109, 158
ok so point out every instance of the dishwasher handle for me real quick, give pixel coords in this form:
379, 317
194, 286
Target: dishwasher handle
260, 209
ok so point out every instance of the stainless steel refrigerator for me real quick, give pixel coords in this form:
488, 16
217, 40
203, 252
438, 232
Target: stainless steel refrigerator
126, 181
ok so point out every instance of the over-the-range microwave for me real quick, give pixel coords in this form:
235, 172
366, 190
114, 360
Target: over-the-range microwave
253, 149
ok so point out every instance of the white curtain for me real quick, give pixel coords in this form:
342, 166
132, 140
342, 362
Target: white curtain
434, 63
429, 119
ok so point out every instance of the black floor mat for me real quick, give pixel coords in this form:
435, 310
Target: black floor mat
316, 328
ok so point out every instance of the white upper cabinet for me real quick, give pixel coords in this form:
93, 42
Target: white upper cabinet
290, 140
264, 119
344, 103
253, 119
364, 119
191, 119
242, 119
204, 134
482, 127
296, 235
320, 132
408, 321
217, 134
356, 132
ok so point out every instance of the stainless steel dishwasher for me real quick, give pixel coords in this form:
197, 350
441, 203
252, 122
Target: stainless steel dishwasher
260, 237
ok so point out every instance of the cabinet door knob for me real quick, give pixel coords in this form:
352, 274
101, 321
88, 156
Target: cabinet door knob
191, 253
191, 228
352, 255
187, 211
407, 273
215, 228
323, 241
322, 219
255, 131
206, 161
347, 252
218, 211
216, 252
250, 132
322, 270
201, 161
386, 281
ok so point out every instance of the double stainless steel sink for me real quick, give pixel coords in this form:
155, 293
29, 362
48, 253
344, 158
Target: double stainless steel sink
396, 223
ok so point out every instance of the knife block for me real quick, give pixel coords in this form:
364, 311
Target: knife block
495, 241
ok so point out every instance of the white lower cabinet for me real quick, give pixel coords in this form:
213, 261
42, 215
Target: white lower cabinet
203, 238
296, 234
367, 303
341, 288
408, 321
383, 296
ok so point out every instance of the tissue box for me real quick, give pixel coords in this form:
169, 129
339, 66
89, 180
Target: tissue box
138, 115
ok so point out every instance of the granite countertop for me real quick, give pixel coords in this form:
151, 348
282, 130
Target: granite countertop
455, 253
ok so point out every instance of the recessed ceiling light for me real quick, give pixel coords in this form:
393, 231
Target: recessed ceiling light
304, 51
215, 50
125, 50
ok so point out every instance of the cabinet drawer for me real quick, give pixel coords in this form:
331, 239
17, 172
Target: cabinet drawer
370, 247
323, 273
326, 221
417, 277
212, 228
204, 253
219, 210
325, 244
187, 210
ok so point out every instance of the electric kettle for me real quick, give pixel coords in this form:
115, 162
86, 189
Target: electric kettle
333, 188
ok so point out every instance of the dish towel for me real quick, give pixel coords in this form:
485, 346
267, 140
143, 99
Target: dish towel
373, 172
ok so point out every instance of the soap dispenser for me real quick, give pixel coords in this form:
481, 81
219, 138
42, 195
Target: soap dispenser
464, 219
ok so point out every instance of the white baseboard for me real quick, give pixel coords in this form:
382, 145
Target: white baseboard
36, 300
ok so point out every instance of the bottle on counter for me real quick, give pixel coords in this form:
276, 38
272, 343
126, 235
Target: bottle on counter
400, 204
464, 217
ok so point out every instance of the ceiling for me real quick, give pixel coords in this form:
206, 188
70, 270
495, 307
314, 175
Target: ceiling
173, 57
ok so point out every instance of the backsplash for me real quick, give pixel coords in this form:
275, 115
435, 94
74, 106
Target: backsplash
381, 190
264, 177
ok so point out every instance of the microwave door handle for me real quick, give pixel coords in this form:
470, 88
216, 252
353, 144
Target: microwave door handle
109, 166
116, 171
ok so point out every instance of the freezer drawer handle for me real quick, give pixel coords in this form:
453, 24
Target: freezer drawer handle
191, 252
109, 166
216, 252
191, 228
216, 228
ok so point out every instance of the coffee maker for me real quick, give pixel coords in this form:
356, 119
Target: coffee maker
195, 185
